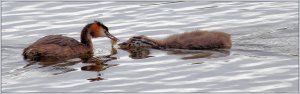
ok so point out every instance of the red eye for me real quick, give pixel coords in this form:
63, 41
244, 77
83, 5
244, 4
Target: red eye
137, 37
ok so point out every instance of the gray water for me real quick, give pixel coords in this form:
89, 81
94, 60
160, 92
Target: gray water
264, 56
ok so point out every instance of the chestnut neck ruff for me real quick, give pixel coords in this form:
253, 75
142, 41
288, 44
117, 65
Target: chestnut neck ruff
85, 37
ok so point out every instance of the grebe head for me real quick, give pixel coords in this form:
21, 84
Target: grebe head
137, 41
94, 30
97, 29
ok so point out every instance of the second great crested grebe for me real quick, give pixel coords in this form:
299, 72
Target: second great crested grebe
56, 47
196, 40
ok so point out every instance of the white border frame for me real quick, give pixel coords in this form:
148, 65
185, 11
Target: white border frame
153, 1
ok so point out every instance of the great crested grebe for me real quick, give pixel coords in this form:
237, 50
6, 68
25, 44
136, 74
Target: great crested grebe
195, 40
56, 47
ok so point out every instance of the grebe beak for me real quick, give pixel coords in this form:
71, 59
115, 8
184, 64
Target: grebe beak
122, 44
110, 36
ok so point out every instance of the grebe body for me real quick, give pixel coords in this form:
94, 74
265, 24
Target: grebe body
195, 40
56, 47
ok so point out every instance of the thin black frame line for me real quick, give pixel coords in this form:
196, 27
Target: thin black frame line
153, 1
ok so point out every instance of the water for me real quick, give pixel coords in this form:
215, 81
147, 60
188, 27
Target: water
264, 56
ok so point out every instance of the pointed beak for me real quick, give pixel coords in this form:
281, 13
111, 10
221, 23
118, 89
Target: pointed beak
123, 45
111, 36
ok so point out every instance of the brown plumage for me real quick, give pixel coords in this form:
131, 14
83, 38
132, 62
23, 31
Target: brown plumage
57, 47
195, 40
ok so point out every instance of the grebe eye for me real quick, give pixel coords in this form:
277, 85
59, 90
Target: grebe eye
130, 44
134, 40
137, 37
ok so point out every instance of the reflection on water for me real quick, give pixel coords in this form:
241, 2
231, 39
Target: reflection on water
96, 64
263, 58
144, 52
194, 54
138, 52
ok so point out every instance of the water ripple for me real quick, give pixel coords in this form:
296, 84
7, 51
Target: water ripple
264, 56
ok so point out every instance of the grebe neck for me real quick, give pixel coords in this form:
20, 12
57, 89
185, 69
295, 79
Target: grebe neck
86, 37
156, 43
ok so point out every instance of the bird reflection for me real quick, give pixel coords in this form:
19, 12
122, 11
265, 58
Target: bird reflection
96, 67
94, 64
138, 52
143, 52
194, 54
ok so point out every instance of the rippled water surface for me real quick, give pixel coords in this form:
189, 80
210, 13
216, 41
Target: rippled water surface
264, 56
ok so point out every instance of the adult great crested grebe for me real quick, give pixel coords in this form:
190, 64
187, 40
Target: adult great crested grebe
58, 47
196, 40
